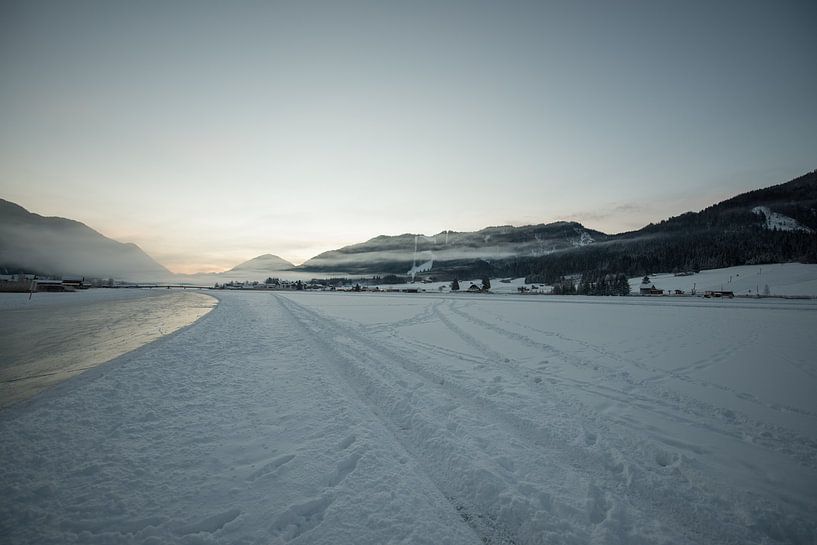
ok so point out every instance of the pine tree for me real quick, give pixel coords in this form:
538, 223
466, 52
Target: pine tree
455, 285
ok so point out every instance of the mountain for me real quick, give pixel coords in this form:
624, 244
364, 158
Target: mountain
56, 246
770, 225
264, 263
255, 269
451, 251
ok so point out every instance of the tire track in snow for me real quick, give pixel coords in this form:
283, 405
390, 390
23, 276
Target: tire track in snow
661, 374
715, 419
473, 486
425, 315
500, 496
391, 408
344, 472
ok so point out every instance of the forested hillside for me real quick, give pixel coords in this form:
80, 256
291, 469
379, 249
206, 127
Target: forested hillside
734, 232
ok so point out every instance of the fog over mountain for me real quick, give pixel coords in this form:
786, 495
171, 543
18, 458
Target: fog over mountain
770, 225
255, 269
51, 245
398, 254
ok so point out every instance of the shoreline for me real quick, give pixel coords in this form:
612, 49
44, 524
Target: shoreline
60, 337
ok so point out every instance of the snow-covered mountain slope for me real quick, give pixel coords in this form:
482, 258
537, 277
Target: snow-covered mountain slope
368, 419
780, 222
733, 232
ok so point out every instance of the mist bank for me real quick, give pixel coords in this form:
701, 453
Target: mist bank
399, 254
770, 225
59, 246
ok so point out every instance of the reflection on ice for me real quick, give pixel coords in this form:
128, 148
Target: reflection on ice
55, 336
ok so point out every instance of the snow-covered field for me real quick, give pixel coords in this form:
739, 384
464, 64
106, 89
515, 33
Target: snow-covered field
787, 279
783, 279
396, 418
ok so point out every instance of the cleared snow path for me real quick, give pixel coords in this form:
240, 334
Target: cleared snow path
340, 418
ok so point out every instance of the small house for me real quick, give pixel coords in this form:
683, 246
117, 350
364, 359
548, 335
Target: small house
51, 285
76, 282
651, 290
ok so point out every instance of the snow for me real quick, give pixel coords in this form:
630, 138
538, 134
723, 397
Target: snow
52, 336
786, 279
779, 222
423, 267
584, 240
426, 418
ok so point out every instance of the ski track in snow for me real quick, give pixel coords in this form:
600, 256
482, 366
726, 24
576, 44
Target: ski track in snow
504, 525
728, 423
332, 418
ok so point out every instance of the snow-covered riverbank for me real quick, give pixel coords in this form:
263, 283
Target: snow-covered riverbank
49, 337
378, 418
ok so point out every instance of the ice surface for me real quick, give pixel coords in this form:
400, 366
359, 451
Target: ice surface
52, 336
398, 418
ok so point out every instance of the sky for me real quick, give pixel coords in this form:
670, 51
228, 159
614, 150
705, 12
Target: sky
212, 132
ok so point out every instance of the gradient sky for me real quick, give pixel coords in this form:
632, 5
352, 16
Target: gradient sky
212, 132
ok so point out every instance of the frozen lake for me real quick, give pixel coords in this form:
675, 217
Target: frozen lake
53, 336
397, 418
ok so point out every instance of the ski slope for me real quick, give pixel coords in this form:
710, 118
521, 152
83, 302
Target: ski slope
457, 418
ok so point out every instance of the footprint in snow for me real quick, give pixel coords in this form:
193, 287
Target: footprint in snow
346, 443
300, 518
269, 468
598, 506
344, 468
210, 524
666, 459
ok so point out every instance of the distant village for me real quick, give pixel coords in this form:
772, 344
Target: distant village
388, 284
31, 283
649, 289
